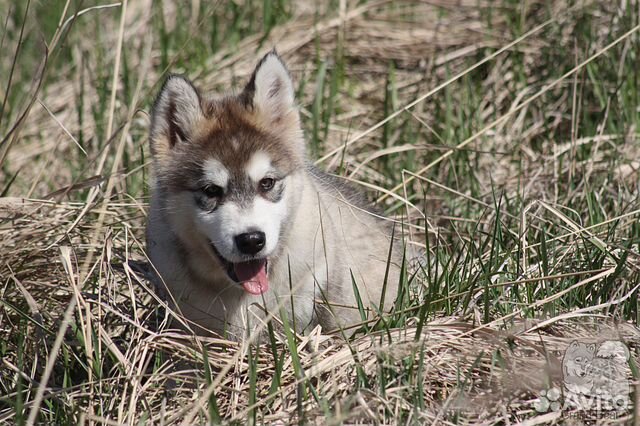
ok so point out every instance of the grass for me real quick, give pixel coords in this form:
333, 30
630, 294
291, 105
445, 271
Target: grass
502, 135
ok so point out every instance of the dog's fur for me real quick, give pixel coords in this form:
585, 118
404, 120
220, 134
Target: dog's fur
214, 160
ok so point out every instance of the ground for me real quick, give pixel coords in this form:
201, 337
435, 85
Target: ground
503, 135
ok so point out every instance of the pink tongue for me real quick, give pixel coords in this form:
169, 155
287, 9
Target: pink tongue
253, 276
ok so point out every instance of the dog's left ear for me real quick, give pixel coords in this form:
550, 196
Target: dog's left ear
270, 92
270, 96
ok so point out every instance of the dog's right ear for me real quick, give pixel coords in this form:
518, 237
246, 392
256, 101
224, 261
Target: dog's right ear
175, 115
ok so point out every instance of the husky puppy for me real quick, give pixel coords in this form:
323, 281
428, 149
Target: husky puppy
241, 225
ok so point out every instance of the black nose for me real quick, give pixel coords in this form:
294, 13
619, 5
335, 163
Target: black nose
250, 242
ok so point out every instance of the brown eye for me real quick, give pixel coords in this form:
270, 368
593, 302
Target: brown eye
267, 184
212, 191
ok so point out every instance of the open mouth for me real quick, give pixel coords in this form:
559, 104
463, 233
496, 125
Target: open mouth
252, 275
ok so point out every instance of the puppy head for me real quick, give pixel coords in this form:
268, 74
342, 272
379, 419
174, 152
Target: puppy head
225, 167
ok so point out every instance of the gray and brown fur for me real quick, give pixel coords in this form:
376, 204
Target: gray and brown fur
325, 234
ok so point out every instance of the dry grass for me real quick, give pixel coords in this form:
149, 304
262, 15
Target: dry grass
516, 171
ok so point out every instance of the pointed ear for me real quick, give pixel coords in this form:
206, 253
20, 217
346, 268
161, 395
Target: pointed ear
270, 91
175, 115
